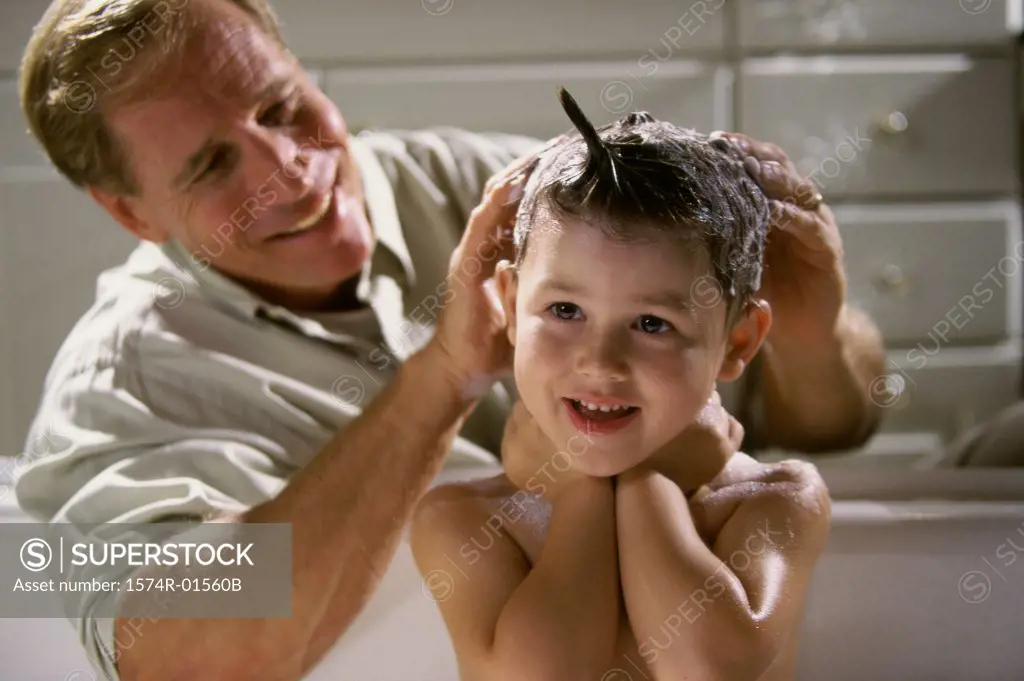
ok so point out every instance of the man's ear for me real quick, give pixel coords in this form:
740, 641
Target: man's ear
128, 213
507, 279
745, 339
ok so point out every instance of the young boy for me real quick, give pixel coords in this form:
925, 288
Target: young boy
638, 254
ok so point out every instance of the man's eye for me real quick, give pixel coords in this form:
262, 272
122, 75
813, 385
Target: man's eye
652, 324
565, 311
218, 162
279, 113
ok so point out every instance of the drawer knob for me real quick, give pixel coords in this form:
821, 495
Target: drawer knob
891, 280
894, 123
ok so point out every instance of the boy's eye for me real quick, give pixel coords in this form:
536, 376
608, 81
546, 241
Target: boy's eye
564, 310
652, 324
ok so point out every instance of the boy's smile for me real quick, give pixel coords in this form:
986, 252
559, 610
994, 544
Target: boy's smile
599, 416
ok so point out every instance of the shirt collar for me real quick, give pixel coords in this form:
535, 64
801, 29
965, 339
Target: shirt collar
392, 261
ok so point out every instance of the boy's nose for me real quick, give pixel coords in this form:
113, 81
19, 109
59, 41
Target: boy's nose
602, 358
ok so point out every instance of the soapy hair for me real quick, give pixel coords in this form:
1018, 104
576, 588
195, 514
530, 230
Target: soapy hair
639, 178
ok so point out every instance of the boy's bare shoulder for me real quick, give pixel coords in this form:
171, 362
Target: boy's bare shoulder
481, 508
458, 504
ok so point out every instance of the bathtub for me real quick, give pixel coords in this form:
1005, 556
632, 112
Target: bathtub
921, 580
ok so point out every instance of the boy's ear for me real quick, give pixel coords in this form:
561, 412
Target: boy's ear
745, 339
507, 280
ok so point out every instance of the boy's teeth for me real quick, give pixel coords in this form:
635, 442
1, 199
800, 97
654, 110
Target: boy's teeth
602, 407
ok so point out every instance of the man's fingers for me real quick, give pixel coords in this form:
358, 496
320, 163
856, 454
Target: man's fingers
762, 151
778, 183
488, 234
810, 228
814, 232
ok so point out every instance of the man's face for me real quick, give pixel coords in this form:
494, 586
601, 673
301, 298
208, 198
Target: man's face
247, 163
629, 328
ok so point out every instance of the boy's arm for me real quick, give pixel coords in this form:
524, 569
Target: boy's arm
733, 607
557, 621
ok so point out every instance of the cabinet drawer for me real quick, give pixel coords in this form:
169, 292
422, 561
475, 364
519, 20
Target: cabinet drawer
949, 391
389, 30
888, 127
869, 23
940, 274
523, 99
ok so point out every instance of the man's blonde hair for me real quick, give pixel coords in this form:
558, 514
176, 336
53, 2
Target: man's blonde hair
83, 57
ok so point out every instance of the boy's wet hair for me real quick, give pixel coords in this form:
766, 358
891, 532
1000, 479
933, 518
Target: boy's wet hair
639, 177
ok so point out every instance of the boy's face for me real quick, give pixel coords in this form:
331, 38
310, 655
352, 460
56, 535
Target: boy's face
637, 330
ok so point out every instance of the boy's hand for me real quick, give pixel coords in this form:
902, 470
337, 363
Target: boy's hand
702, 450
749, 540
532, 461
748, 495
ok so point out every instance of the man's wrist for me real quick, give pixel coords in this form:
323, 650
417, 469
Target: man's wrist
428, 375
470, 386
822, 341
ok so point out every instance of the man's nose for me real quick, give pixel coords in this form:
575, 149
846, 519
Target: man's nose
281, 164
602, 356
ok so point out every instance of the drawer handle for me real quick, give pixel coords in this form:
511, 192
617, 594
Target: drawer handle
891, 280
893, 124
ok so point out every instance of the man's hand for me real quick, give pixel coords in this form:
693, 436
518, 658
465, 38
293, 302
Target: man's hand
803, 281
471, 327
821, 354
700, 452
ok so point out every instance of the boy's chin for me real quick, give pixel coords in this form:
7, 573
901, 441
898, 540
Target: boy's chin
599, 466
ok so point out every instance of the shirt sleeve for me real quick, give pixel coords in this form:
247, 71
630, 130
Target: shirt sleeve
102, 450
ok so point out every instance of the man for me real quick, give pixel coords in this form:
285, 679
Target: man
268, 354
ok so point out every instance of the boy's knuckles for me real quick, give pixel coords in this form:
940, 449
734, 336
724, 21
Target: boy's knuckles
796, 471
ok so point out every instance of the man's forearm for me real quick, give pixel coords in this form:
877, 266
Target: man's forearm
818, 398
347, 509
562, 621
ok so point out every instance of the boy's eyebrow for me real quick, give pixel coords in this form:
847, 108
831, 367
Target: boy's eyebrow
559, 285
667, 299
